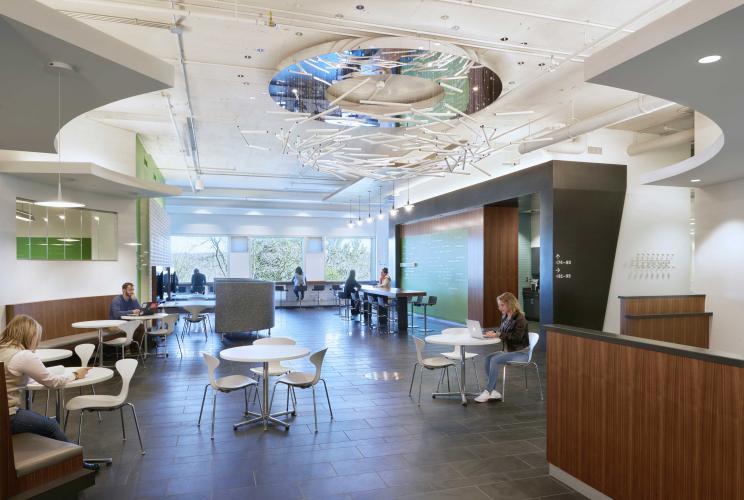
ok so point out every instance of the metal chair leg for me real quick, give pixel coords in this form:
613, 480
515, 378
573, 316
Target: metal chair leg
80, 427
214, 411
413, 376
421, 380
123, 431
136, 425
539, 382
67, 417
503, 385
271, 401
179, 346
255, 394
524, 372
315, 410
202, 405
93, 390
327, 398
448, 379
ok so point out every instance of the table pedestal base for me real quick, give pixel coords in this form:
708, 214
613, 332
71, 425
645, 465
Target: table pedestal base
265, 417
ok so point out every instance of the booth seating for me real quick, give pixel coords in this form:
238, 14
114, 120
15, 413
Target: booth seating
34, 466
57, 316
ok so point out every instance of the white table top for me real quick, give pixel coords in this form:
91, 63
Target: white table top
459, 336
94, 376
264, 353
47, 355
99, 323
146, 318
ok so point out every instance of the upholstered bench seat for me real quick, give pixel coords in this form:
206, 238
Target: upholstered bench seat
74, 339
32, 452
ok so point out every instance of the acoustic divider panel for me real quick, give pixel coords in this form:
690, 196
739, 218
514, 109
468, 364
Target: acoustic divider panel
243, 305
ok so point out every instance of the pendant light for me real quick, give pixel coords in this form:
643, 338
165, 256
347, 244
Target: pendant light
380, 216
59, 202
359, 211
351, 222
409, 205
370, 219
393, 211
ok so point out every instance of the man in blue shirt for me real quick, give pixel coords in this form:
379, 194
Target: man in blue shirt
125, 304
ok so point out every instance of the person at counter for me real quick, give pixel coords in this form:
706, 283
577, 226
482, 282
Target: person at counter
384, 281
351, 289
198, 282
18, 344
125, 304
300, 284
513, 333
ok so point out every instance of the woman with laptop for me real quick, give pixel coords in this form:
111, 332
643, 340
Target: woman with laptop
513, 334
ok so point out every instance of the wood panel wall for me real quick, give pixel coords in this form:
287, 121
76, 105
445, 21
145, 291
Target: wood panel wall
671, 318
500, 258
472, 220
56, 316
642, 425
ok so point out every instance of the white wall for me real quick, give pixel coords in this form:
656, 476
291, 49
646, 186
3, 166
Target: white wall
719, 261
86, 140
35, 280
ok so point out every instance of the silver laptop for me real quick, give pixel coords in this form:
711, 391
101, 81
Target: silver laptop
474, 329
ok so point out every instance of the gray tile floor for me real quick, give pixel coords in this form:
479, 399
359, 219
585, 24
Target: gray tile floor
380, 444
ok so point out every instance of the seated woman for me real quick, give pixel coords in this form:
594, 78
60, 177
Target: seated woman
513, 333
385, 281
17, 345
351, 287
300, 284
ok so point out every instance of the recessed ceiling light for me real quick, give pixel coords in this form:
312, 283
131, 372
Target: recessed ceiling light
360, 7
694, 180
521, 63
444, 17
247, 56
437, 44
504, 38
475, 89
511, 82
260, 50
709, 59
241, 76
339, 15
541, 64
298, 33
455, 28
252, 98
524, 43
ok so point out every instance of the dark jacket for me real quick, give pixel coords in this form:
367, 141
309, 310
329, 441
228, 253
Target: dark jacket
351, 286
198, 282
513, 333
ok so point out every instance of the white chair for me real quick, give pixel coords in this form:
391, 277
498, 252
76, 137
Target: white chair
434, 363
223, 384
534, 338
305, 380
194, 316
85, 352
126, 368
276, 368
167, 326
128, 328
455, 356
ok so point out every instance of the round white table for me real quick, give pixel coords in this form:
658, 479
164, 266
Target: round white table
94, 376
48, 355
145, 319
459, 337
99, 325
264, 354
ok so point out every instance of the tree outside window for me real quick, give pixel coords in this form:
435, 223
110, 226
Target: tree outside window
206, 253
275, 259
345, 254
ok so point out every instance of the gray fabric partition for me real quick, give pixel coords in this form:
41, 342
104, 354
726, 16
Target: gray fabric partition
243, 305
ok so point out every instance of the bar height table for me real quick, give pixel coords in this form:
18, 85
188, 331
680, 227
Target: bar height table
401, 297
264, 354
459, 337
99, 325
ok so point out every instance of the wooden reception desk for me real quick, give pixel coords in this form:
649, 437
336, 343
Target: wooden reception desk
639, 419
670, 318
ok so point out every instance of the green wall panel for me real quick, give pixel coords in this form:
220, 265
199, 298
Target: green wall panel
442, 270
38, 248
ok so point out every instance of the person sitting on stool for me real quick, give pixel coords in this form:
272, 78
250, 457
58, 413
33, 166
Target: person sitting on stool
300, 284
18, 344
385, 281
198, 282
513, 333
350, 288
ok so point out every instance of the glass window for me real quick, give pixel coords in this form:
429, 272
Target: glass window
275, 259
208, 254
64, 234
344, 254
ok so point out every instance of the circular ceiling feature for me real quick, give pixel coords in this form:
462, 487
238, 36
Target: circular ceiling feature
385, 87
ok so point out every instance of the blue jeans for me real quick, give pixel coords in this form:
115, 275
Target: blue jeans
496, 361
30, 421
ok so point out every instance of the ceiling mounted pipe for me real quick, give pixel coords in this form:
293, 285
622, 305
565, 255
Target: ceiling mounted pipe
637, 107
665, 141
574, 146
